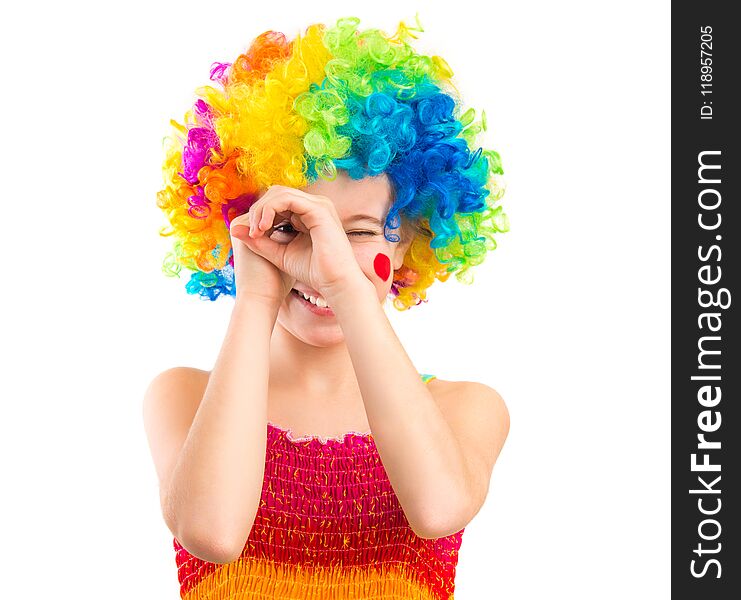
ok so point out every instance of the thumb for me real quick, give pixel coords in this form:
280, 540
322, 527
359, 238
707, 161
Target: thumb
240, 231
240, 226
265, 247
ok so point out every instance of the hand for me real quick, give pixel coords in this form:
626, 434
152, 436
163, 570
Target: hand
302, 235
254, 275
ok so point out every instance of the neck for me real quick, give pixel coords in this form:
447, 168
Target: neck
313, 371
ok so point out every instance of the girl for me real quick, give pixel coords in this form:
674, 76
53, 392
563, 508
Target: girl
313, 460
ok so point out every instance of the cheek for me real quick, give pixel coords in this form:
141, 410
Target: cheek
375, 261
382, 265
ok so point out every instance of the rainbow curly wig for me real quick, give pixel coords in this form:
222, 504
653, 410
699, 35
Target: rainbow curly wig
288, 111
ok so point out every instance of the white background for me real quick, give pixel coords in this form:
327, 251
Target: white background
568, 319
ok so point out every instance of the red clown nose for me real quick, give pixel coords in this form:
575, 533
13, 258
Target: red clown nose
382, 265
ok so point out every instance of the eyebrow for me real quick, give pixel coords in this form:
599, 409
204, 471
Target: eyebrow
366, 218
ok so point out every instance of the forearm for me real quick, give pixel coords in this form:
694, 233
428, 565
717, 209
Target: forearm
422, 458
217, 481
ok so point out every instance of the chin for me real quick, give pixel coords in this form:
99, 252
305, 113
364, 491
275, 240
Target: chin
323, 341
319, 337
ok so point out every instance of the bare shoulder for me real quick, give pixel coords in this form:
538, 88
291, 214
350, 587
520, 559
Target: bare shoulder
177, 380
170, 403
173, 396
445, 389
479, 419
473, 406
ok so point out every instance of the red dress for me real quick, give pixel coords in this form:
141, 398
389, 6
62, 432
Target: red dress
329, 526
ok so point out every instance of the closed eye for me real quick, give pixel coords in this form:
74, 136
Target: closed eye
362, 233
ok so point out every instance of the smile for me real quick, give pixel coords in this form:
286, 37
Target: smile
315, 304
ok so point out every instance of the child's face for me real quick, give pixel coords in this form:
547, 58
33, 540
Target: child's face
370, 197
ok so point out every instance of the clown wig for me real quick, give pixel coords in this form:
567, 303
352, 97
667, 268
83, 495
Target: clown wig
289, 111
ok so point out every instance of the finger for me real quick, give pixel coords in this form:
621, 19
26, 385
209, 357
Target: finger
264, 219
316, 213
279, 193
240, 226
255, 211
269, 249
313, 211
267, 218
297, 224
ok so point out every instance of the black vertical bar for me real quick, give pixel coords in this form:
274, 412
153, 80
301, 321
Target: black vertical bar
706, 557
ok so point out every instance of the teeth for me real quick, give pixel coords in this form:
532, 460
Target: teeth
320, 302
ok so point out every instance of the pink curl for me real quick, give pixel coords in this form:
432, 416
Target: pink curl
204, 113
196, 152
218, 72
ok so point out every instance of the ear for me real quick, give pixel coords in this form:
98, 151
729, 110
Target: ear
406, 233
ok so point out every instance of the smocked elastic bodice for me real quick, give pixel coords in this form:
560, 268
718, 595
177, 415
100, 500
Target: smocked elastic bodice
329, 525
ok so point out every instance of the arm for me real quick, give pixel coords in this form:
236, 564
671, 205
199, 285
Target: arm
211, 487
439, 462
439, 465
